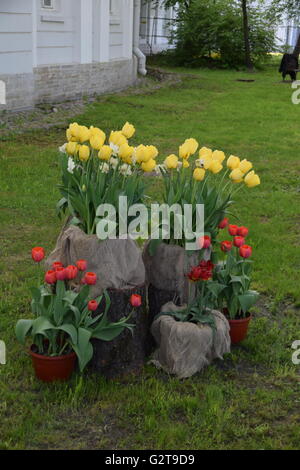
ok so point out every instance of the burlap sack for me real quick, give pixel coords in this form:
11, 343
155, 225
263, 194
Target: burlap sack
117, 263
184, 348
167, 269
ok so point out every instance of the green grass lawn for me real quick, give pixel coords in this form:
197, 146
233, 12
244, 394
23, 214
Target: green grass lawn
250, 400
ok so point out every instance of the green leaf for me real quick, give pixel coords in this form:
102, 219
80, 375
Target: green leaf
22, 329
83, 348
248, 300
70, 330
40, 325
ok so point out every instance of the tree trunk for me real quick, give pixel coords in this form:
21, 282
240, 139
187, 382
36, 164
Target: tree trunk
248, 60
296, 50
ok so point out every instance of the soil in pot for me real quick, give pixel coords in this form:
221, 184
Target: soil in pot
50, 369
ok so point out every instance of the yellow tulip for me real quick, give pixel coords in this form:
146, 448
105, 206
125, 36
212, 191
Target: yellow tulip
233, 162
143, 153
215, 166
185, 150
218, 155
185, 164
95, 131
153, 151
105, 152
71, 148
84, 153
204, 152
128, 130
252, 179
199, 174
245, 166
73, 132
171, 161
117, 138
83, 134
192, 144
149, 165
236, 175
125, 152
96, 141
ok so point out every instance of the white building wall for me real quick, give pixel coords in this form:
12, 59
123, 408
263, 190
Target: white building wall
15, 36
79, 47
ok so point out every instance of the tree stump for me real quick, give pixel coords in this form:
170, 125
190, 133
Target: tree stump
156, 299
125, 354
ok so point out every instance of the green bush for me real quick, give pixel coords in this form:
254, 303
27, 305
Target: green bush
211, 33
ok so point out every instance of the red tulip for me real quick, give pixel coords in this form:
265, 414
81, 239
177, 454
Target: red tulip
136, 300
243, 231
205, 241
232, 229
37, 254
201, 272
90, 278
60, 274
57, 264
238, 241
50, 277
71, 272
226, 246
245, 251
223, 223
93, 305
81, 264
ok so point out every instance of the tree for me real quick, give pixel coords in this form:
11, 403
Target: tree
248, 60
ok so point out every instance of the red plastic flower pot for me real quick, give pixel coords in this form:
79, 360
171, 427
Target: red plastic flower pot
50, 369
238, 329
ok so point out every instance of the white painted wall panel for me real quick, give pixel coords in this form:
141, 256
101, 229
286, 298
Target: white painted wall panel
15, 6
12, 23
13, 63
12, 42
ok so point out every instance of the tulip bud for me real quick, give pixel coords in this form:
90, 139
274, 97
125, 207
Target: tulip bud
245, 251
223, 223
81, 264
232, 229
136, 300
71, 272
93, 305
38, 254
50, 277
90, 278
226, 246
238, 241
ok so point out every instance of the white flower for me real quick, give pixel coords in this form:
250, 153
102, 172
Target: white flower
199, 163
71, 165
159, 169
114, 162
105, 168
115, 148
62, 149
125, 170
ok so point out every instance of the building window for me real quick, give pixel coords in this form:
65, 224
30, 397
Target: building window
49, 4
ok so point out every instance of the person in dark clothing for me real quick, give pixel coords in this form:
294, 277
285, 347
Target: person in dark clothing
289, 66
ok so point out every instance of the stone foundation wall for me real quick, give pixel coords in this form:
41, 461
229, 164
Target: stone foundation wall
58, 83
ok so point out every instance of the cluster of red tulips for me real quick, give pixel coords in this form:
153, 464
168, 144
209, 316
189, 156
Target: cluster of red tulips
62, 273
202, 272
69, 273
239, 235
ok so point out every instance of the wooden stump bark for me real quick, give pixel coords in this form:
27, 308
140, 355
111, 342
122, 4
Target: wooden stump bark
125, 354
156, 299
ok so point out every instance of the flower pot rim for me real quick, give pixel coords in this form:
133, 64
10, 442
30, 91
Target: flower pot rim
51, 358
240, 320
